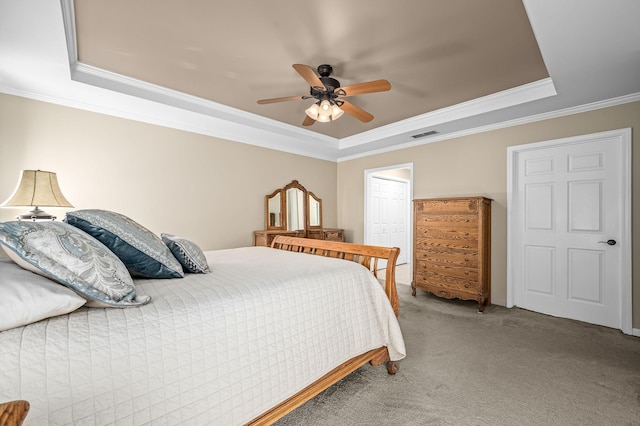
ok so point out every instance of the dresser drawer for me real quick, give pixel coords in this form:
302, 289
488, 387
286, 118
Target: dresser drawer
446, 233
334, 235
454, 285
466, 258
453, 270
449, 206
447, 291
329, 234
446, 221
432, 243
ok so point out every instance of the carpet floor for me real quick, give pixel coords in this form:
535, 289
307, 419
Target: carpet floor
503, 367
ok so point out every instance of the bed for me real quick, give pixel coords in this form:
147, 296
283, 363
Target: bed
267, 329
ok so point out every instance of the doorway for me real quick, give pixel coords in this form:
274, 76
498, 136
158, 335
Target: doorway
387, 213
569, 228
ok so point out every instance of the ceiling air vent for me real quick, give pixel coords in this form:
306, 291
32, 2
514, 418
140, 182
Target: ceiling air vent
425, 134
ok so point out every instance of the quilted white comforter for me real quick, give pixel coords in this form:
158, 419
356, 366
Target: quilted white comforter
215, 349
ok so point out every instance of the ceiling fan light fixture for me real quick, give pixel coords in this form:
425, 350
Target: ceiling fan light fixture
325, 106
336, 112
324, 115
324, 111
313, 111
323, 118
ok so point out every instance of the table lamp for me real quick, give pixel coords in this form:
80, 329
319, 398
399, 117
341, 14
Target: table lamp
37, 188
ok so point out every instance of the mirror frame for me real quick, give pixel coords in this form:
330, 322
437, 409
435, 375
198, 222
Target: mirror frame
294, 185
267, 222
311, 195
283, 207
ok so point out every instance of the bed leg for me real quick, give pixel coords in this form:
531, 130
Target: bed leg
392, 366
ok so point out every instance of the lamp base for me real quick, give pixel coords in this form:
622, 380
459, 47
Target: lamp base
36, 214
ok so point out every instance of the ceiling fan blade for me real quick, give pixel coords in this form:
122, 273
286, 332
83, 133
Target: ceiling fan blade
287, 98
356, 112
309, 75
368, 87
308, 121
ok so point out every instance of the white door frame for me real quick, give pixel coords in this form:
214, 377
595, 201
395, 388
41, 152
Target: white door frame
368, 174
624, 135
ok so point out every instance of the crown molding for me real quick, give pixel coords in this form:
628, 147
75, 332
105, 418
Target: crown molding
510, 123
140, 89
526, 93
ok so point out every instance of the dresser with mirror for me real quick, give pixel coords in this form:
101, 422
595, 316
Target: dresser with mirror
296, 212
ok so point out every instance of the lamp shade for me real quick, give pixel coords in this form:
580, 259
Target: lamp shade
336, 112
324, 111
37, 188
313, 111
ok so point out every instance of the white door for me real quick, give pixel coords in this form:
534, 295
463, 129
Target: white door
388, 221
571, 240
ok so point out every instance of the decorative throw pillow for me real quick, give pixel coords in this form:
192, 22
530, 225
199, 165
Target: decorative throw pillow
74, 259
188, 254
142, 251
28, 298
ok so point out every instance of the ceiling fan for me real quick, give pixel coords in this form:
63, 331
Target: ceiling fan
330, 96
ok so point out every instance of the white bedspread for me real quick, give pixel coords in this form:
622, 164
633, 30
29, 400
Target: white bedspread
215, 349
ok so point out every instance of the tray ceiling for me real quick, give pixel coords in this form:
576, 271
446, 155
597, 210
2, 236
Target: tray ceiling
435, 54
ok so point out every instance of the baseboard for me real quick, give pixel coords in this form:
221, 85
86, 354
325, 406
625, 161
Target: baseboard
635, 332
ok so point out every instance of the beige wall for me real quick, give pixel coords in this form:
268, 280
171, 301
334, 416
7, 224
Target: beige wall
206, 189
477, 165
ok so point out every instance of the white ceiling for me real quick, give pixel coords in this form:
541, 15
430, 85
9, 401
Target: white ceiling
591, 50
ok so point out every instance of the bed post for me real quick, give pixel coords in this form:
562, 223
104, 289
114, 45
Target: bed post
390, 280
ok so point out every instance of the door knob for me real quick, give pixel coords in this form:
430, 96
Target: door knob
610, 242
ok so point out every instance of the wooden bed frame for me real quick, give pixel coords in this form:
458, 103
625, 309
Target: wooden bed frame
13, 413
367, 256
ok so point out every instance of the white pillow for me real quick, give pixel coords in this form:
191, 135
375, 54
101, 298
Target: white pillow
73, 258
27, 297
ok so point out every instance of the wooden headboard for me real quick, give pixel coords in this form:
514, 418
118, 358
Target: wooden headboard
365, 255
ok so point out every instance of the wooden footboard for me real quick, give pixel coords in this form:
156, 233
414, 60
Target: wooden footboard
366, 255
375, 357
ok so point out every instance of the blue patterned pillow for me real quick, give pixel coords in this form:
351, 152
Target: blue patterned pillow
142, 251
188, 254
73, 258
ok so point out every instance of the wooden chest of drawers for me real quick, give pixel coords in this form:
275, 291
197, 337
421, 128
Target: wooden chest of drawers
452, 248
